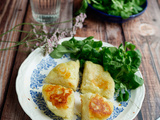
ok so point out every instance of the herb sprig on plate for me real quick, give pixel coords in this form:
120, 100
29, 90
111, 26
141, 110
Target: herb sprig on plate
119, 62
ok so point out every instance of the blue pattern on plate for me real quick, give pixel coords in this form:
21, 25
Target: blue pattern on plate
116, 112
46, 63
38, 99
37, 81
36, 77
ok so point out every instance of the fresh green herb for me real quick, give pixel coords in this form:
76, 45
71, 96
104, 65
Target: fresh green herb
119, 62
123, 8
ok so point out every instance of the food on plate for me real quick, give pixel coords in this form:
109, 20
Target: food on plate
96, 80
122, 62
65, 74
59, 100
95, 107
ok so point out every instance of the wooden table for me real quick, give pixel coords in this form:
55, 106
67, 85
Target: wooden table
142, 31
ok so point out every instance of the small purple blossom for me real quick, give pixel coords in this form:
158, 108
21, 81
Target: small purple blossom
32, 49
73, 32
78, 23
49, 43
82, 17
37, 44
45, 28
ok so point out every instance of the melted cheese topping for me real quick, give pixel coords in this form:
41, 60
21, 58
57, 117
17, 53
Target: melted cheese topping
57, 95
99, 108
100, 82
63, 71
96, 80
65, 74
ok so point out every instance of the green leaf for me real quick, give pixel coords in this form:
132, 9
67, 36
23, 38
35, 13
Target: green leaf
89, 38
89, 1
114, 12
83, 7
135, 81
125, 15
125, 96
136, 58
139, 2
86, 49
105, 2
94, 1
99, 7
97, 44
129, 45
60, 51
117, 5
82, 62
120, 97
68, 44
95, 53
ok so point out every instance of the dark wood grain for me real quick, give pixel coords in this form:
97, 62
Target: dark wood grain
12, 109
147, 40
114, 33
11, 14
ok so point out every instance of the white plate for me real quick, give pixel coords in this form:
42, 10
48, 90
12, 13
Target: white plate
30, 80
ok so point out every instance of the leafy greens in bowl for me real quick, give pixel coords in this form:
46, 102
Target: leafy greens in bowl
118, 11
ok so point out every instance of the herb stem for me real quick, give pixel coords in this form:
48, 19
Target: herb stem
11, 47
34, 24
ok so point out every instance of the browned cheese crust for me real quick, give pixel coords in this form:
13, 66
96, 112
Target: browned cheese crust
57, 95
99, 108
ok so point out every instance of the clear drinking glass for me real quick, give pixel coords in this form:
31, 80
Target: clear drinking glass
45, 11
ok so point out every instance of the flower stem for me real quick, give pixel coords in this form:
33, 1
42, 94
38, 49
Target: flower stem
34, 24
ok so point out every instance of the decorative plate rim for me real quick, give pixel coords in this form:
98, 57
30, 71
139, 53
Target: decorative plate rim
36, 53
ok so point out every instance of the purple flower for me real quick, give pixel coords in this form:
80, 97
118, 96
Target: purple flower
82, 17
50, 49
32, 49
79, 25
37, 44
45, 28
73, 32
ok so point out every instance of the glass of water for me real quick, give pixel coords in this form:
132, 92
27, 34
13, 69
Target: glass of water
45, 11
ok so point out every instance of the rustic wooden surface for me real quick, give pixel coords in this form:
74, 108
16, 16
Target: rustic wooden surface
142, 31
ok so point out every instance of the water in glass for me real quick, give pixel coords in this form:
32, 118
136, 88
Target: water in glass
45, 11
